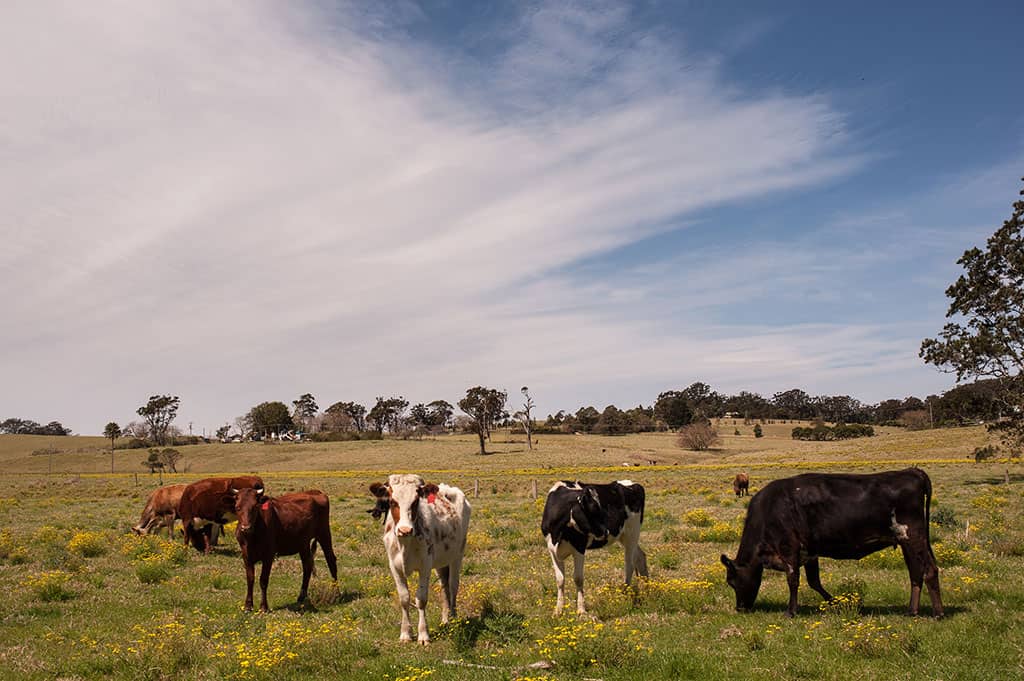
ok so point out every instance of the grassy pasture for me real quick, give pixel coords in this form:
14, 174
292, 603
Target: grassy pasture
85, 599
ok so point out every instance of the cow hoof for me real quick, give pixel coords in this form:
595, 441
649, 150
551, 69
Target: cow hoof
405, 638
424, 641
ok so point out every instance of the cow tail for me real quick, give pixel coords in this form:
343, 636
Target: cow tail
928, 513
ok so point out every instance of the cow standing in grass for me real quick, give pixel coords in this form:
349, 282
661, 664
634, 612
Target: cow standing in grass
282, 526
792, 522
210, 502
580, 516
161, 510
425, 529
741, 484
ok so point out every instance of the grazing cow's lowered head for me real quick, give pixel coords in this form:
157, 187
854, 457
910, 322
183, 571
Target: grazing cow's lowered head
402, 497
247, 503
745, 581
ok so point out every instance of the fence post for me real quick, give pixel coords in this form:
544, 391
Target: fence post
136, 479
533, 491
476, 488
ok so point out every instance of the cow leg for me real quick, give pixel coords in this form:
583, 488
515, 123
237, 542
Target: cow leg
931, 578
559, 563
328, 549
454, 575
577, 577
444, 574
307, 570
250, 577
793, 579
813, 571
402, 586
268, 562
422, 637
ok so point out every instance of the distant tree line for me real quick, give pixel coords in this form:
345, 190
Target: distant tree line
15, 426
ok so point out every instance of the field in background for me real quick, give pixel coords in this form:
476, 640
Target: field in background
85, 599
80, 454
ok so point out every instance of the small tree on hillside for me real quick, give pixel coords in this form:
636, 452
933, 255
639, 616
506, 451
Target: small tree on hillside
305, 410
757, 430
270, 417
484, 406
159, 412
112, 431
526, 417
698, 436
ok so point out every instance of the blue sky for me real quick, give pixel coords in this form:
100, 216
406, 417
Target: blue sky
238, 203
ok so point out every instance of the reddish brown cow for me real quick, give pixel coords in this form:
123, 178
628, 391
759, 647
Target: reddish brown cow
289, 524
161, 510
741, 484
210, 501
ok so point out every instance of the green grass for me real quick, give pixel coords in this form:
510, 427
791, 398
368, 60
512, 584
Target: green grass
86, 599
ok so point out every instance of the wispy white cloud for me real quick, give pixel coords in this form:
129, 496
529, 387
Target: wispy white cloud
244, 201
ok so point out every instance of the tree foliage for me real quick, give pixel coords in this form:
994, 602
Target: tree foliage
673, 408
269, 417
985, 337
388, 413
158, 413
354, 411
16, 426
485, 406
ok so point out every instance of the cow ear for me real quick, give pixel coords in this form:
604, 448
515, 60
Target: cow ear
234, 492
378, 490
259, 490
727, 562
427, 490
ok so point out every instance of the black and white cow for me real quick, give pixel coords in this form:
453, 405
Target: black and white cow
580, 516
793, 521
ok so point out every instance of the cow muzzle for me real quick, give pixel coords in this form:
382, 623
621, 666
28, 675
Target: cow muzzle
403, 530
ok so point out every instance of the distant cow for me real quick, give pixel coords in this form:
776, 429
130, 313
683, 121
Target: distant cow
161, 510
425, 528
741, 484
580, 516
282, 526
794, 521
210, 501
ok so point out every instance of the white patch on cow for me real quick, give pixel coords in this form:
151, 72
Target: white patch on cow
899, 530
626, 483
572, 522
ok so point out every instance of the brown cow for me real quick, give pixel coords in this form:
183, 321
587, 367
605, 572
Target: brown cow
282, 526
161, 510
741, 484
210, 501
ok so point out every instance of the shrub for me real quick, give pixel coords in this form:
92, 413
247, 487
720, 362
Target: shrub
698, 517
50, 585
984, 453
757, 430
945, 516
698, 436
736, 431
153, 570
88, 544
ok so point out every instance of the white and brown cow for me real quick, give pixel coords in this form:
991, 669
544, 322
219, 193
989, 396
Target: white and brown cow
580, 516
161, 510
425, 528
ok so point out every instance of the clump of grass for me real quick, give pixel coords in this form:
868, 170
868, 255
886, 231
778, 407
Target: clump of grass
698, 517
51, 585
575, 646
666, 560
719, 532
88, 544
153, 570
886, 559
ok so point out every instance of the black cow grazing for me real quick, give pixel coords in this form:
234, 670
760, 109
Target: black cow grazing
282, 526
580, 516
794, 521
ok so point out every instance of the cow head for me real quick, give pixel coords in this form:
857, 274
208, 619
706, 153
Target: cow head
592, 520
745, 580
399, 502
247, 507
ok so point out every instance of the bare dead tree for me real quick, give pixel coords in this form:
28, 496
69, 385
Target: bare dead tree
526, 417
